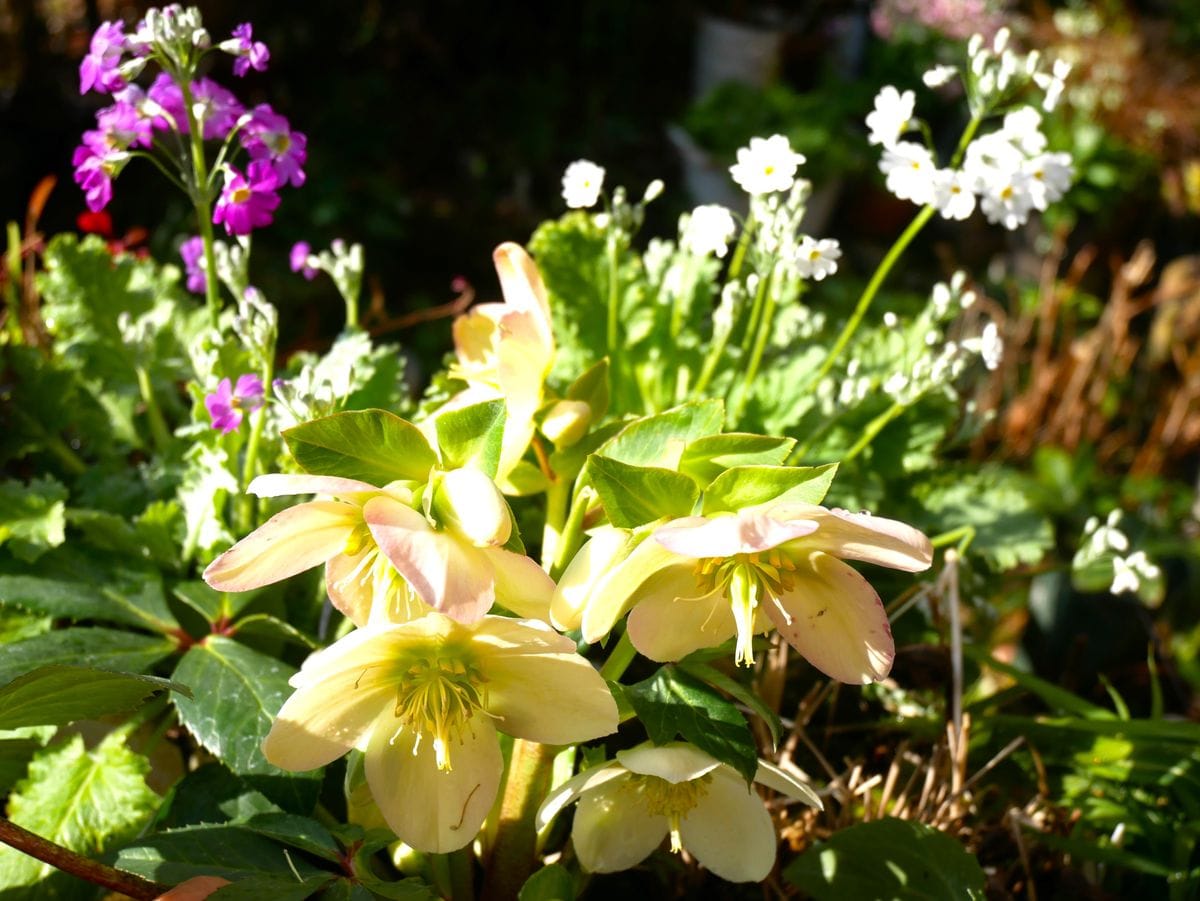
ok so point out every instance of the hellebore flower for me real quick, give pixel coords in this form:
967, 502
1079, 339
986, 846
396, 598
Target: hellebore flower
247, 201
629, 805
268, 136
99, 69
505, 350
424, 701
250, 54
698, 581
370, 537
227, 405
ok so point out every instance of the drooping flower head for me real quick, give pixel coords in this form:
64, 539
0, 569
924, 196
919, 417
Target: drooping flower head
581, 184
424, 700
249, 53
268, 136
229, 404
247, 201
99, 69
629, 805
192, 252
766, 166
696, 582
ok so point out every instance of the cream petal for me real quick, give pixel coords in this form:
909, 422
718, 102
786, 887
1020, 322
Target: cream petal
553, 698
621, 587
614, 832
288, 543
569, 791
429, 809
835, 619
598, 554
785, 783
523, 287
676, 762
348, 584
278, 484
729, 831
666, 628
522, 586
748, 532
449, 574
861, 536
475, 336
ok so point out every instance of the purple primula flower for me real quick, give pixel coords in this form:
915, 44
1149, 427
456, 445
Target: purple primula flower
123, 125
98, 71
228, 405
248, 201
268, 136
299, 260
250, 54
165, 95
192, 251
94, 171
217, 108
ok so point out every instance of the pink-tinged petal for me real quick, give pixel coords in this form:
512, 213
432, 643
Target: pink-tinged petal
861, 536
786, 784
522, 587
593, 560
523, 287
666, 628
432, 810
835, 619
729, 831
288, 543
613, 831
475, 335
278, 484
748, 532
675, 762
500, 635
569, 791
551, 698
348, 584
449, 574
650, 565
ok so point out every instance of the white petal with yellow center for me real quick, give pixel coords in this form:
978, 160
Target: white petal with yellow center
576, 585
665, 626
612, 832
861, 536
277, 484
729, 830
618, 589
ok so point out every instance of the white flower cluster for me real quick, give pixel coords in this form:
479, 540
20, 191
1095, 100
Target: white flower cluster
708, 229
581, 184
1105, 545
1007, 172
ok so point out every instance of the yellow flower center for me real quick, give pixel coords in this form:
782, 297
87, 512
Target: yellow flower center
673, 800
438, 694
240, 195
747, 579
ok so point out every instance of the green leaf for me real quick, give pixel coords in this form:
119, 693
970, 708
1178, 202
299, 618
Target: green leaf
412, 889
233, 852
277, 888
17, 747
744, 486
271, 627
737, 690
83, 800
32, 516
298, 832
706, 458
106, 649
660, 440
57, 695
241, 691
472, 436
373, 446
592, 389
634, 495
671, 702
888, 858
552, 883
1057, 698
84, 587
211, 604
211, 794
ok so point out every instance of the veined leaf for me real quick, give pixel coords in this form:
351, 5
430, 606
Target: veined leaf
706, 458
660, 440
472, 436
57, 695
32, 516
373, 446
634, 495
745, 486
106, 649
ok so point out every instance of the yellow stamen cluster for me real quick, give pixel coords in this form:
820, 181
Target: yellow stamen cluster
746, 579
673, 800
438, 694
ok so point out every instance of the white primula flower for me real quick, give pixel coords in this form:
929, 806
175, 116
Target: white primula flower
952, 194
817, 259
709, 230
766, 166
891, 117
581, 184
629, 805
1053, 83
991, 346
1125, 577
938, 76
910, 169
1050, 176
1006, 198
1023, 128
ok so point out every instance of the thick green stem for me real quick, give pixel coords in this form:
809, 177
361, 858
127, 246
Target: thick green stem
620, 658
12, 291
158, 426
572, 533
201, 198
868, 295
557, 496
756, 310
246, 511
462, 874
515, 853
739, 253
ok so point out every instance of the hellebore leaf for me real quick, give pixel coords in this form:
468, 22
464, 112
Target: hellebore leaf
660, 440
706, 458
57, 695
745, 486
372, 446
634, 495
472, 436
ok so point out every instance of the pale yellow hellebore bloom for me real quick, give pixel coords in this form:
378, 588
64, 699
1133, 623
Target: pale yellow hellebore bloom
505, 351
698, 581
629, 805
383, 559
423, 700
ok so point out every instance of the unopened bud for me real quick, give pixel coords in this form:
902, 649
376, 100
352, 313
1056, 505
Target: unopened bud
653, 190
566, 422
469, 502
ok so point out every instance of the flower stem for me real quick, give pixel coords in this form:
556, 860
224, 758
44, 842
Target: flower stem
76, 864
514, 855
247, 509
868, 295
760, 346
158, 426
462, 874
201, 199
739, 253
569, 540
620, 658
874, 427
557, 496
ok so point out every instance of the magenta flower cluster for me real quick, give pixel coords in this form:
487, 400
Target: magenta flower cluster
229, 404
276, 154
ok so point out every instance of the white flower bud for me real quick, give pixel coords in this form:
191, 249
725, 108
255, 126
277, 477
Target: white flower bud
469, 502
566, 422
653, 190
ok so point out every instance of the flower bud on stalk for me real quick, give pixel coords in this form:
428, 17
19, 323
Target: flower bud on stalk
469, 502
